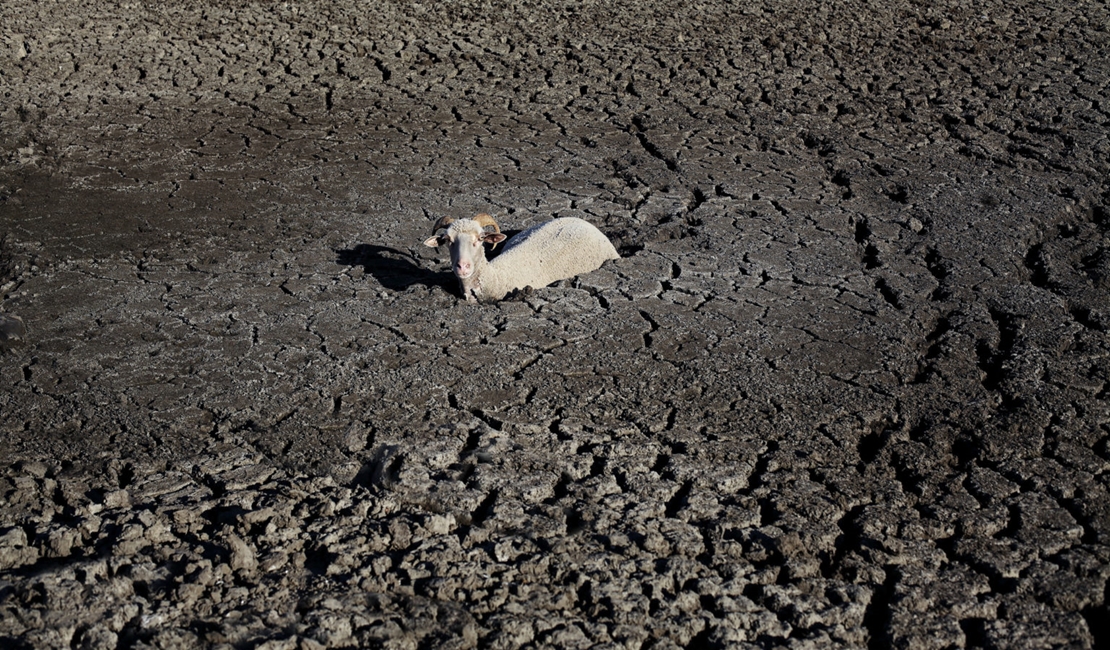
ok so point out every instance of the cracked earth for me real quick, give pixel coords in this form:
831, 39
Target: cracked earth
848, 385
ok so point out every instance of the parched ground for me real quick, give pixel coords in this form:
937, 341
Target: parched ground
849, 384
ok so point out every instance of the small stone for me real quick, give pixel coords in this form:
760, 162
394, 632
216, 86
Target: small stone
97, 637
246, 476
13, 538
12, 329
117, 499
14, 551
60, 542
189, 593
242, 555
34, 468
355, 439
273, 561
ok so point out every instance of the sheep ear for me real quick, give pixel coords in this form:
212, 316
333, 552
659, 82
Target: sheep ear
432, 242
493, 238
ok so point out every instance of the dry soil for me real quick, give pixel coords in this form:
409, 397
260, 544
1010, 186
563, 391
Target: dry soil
849, 384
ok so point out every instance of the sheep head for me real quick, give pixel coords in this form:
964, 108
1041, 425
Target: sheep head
465, 238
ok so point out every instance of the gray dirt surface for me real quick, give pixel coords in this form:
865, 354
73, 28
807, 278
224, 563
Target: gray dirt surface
848, 386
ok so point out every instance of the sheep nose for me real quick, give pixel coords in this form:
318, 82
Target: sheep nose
462, 268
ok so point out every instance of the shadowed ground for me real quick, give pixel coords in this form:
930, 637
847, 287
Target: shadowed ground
849, 384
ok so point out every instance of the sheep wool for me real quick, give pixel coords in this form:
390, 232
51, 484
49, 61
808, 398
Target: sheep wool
542, 254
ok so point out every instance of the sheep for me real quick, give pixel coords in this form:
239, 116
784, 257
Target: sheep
547, 252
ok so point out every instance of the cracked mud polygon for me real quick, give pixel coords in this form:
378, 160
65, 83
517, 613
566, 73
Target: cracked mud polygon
848, 386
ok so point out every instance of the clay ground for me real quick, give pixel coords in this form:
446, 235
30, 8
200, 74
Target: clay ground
849, 384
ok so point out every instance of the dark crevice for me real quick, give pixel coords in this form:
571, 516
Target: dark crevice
935, 263
561, 489
863, 232
701, 640
871, 257
655, 152
1078, 512
648, 338
966, 449
576, 522
628, 250
870, 445
557, 430
678, 501
484, 509
1100, 216
58, 496
762, 466
1098, 621
384, 470
492, 422
698, 198
942, 326
386, 74
846, 542
870, 251
898, 194
1096, 266
842, 179
1087, 318
622, 481
767, 513
473, 439
585, 594
318, 558
1013, 525
126, 475
993, 361
940, 329
888, 293
597, 468
877, 616
975, 632
1036, 261
934, 350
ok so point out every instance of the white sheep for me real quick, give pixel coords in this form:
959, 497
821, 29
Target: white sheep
547, 252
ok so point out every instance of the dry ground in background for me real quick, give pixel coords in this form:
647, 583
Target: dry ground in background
848, 385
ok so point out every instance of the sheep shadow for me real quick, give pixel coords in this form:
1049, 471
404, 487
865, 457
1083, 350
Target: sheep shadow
394, 269
399, 270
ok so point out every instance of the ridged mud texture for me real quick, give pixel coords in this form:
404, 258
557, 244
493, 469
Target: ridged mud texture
848, 386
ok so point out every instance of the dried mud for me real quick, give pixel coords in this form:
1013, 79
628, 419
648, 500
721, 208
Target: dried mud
847, 386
